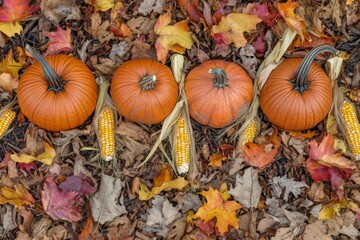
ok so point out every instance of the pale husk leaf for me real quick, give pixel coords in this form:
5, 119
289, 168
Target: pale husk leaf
181, 108
103, 101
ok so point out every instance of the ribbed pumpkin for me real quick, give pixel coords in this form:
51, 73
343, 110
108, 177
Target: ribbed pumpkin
218, 92
58, 92
144, 91
298, 93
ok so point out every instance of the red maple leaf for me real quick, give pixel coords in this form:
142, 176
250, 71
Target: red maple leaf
61, 204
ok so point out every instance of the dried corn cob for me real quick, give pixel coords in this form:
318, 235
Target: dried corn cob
249, 133
106, 125
182, 146
351, 127
5, 121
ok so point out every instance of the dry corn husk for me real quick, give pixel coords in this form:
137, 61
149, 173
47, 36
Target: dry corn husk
180, 109
270, 62
104, 101
7, 114
350, 133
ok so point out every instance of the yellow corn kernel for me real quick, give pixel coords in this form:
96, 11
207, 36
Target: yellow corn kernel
106, 126
249, 133
351, 127
182, 146
5, 121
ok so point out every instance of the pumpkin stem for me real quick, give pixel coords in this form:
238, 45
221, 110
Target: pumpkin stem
299, 82
148, 82
220, 80
55, 83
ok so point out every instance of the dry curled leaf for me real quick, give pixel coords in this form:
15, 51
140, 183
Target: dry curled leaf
59, 41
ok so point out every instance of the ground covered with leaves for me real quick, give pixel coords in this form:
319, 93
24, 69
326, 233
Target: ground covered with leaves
285, 185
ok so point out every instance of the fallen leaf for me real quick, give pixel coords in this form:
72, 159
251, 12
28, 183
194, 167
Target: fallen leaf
148, 6
55, 12
325, 154
247, 190
78, 183
256, 156
120, 29
98, 29
9, 65
46, 157
216, 207
350, 231
146, 194
8, 83
216, 160
90, 231
160, 215
294, 21
191, 7
12, 12
207, 227
59, 41
107, 203
290, 186
331, 209
316, 230
175, 38
308, 134
231, 29
61, 204
165, 175
16, 196
101, 5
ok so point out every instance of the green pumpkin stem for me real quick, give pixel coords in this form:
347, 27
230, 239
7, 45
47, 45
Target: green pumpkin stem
56, 84
220, 80
148, 82
301, 75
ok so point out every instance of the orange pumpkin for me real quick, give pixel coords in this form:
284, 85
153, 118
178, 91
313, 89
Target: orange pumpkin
298, 93
144, 91
218, 92
57, 93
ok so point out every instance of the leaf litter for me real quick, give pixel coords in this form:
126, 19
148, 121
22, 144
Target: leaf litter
294, 185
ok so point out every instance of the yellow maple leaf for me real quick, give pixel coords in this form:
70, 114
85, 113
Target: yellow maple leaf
10, 28
16, 196
47, 157
102, 5
331, 209
146, 194
216, 207
176, 38
294, 21
232, 27
9, 65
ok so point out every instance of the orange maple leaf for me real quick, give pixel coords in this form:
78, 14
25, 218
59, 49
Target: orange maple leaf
256, 156
165, 175
294, 21
59, 41
216, 160
176, 38
231, 29
217, 207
